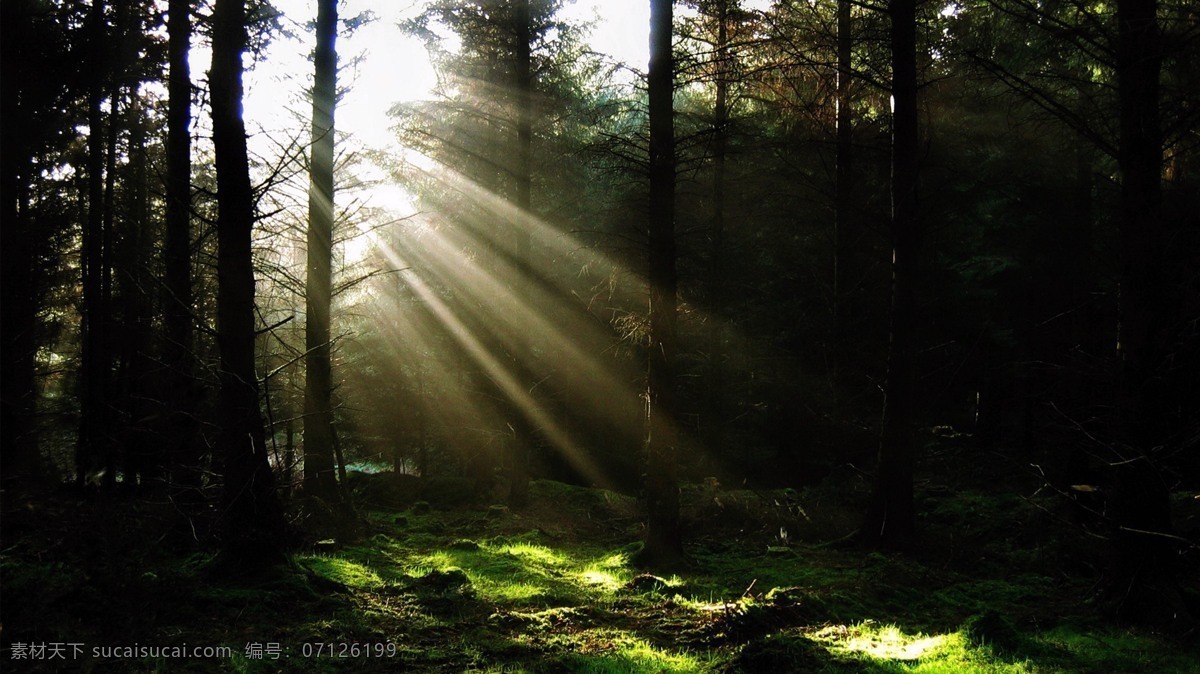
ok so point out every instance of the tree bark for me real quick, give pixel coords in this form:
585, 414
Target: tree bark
715, 391
1141, 584
844, 240
18, 300
142, 458
252, 524
320, 479
523, 440
92, 446
890, 518
181, 387
663, 542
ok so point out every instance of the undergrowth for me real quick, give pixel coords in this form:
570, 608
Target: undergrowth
551, 589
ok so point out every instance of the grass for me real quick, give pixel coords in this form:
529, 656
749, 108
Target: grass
551, 589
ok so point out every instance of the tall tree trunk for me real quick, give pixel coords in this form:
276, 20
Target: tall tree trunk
180, 382
112, 337
92, 448
890, 518
320, 480
663, 542
143, 462
844, 239
715, 391
251, 515
18, 303
18, 315
1141, 584
523, 442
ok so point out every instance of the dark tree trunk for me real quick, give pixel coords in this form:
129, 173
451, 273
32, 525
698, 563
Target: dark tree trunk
143, 461
663, 543
252, 522
113, 333
320, 479
715, 391
890, 518
1141, 584
845, 239
18, 318
523, 442
180, 383
18, 302
93, 445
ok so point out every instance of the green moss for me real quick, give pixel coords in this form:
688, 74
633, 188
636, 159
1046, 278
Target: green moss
993, 630
630, 655
1083, 647
783, 653
455, 596
343, 571
890, 648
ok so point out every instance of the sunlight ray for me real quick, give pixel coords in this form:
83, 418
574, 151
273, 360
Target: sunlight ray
570, 449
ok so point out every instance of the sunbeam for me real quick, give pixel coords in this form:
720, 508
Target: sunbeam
520, 321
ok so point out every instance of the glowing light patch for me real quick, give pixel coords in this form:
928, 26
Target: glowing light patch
885, 642
603, 579
534, 553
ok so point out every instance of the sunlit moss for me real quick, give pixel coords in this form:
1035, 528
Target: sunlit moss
344, 571
630, 655
891, 649
436, 560
523, 572
886, 642
712, 606
538, 554
511, 591
608, 573
617, 560
603, 579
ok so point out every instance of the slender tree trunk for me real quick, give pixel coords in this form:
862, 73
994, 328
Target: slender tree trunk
844, 239
112, 333
141, 455
523, 442
663, 543
92, 444
180, 383
252, 522
320, 479
716, 282
890, 516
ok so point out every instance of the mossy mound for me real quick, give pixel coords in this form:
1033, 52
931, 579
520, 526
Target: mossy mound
781, 653
993, 630
444, 582
778, 608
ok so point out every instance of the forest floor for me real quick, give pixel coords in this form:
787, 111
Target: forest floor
998, 584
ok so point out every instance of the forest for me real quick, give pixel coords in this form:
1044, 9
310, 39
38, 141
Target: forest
835, 336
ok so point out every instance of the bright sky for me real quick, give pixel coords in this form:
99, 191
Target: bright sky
394, 67
388, 67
